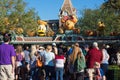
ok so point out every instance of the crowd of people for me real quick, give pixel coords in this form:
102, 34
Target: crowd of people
55, 61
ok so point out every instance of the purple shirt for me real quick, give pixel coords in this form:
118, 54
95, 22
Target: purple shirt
6, 52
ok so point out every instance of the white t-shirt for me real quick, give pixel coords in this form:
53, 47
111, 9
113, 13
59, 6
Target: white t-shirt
49, 58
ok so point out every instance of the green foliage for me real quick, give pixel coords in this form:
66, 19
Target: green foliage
109, 13
13, 14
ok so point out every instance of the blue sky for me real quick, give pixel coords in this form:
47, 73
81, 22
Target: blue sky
49, 9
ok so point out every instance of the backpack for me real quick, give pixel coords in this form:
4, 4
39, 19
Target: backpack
79, 64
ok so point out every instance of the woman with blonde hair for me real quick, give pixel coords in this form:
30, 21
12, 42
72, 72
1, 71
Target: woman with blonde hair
49, 57
19, 59
33, 58
77, 61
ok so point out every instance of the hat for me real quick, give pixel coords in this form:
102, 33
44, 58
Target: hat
107, 46
41, 47
53, 44
95, 44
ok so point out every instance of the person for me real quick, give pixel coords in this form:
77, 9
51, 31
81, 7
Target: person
69, 50
49, 65
55, 49
93, 55
33, 61
74, 61
105, 63
98, 72
19, 61
85, 49
59, 64
118, 56
7, 59
39, 65
27, 53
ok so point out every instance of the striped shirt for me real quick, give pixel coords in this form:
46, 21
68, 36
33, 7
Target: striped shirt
59, 61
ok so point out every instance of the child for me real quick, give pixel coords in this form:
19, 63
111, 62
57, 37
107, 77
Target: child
98, 72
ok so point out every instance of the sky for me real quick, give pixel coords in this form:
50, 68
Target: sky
49, 9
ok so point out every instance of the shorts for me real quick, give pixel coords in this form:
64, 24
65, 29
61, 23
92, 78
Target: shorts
6, 72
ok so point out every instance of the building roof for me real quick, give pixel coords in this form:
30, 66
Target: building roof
67, 6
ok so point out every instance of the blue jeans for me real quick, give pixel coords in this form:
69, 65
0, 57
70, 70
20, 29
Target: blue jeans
59, 73
104, 67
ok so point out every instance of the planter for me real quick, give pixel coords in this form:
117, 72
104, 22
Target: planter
113, 73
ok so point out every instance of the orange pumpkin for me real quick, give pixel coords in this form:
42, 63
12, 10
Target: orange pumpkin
60, 30
76, 30
19, 30
30, 33
74, 19
69, 25
89, 32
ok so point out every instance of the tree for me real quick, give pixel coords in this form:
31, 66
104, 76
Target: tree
90, 19
14, 15
108, 13
112, 7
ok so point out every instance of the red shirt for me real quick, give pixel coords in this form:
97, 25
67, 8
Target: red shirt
94, 55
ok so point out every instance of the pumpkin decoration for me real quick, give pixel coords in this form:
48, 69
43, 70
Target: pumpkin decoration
41, 22
19, 30
69, 25
76, 30
12, 27
113, 33
74, 19
49, 32
101, 25
17, 20
64, 19
3, 31
41, 28
89, 32
30, 33
6, 21
60, 30
68, 22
